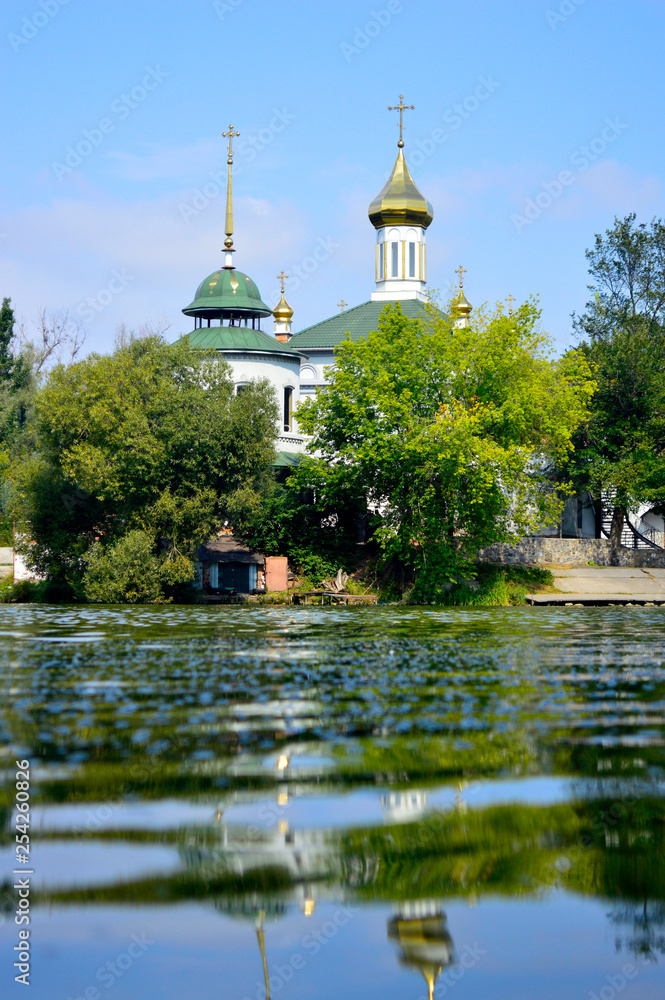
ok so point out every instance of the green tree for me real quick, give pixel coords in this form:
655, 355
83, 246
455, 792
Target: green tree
151, 438
16, 381
620, 449
450, 433
314, 518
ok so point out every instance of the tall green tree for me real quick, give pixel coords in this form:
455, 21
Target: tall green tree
16, 380
149, 439
620, 450
451, 434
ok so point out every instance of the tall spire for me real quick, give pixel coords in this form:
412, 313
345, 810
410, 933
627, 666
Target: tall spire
228, 228
400, 214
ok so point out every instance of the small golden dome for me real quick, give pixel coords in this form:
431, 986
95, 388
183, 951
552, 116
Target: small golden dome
400, 203
463, 305
283, 310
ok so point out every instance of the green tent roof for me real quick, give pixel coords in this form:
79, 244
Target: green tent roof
228, 290
288, 459
357, 322
237, 339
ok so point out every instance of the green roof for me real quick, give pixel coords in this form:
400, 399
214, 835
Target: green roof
357, 322
288, 459
228, 290
237, 339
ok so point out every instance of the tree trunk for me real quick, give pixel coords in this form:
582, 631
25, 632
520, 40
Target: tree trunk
616, 530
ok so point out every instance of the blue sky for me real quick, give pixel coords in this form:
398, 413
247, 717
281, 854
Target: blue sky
535, 123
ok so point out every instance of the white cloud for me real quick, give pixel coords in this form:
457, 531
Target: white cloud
61, 254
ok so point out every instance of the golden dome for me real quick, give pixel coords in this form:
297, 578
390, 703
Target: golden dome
282, 310
400, 203
463, 305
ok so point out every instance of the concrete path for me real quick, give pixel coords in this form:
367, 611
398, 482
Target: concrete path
605, 585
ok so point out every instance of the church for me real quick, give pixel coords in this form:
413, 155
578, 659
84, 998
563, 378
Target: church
260, 343
228, 310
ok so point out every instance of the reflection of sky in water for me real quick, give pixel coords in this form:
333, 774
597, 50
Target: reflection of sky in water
215, 700
559, 951
60, 864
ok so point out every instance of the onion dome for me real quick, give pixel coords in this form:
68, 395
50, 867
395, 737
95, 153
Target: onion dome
462, 305
400, 203
282, 312
227, 293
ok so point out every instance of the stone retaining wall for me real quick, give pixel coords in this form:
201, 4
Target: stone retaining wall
569, 552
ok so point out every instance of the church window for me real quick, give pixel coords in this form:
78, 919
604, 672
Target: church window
412, 260
288, 407
393, 254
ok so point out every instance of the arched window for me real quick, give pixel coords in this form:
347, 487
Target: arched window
288, 407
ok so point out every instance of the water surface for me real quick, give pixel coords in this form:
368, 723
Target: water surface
370, 802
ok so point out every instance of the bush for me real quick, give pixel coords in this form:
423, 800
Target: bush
125, 573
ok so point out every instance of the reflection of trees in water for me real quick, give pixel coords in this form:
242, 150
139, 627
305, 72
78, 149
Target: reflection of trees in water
647, 940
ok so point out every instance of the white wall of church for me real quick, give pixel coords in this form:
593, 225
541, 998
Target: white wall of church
281, 371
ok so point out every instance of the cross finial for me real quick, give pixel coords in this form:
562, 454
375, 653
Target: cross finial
510, 301
401, 107
230, 135
342, 304
461, 271
282, 277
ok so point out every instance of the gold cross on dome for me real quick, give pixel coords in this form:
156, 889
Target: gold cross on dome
401, 107
342, 304
510, 301
282, 277
230, 135
461, 271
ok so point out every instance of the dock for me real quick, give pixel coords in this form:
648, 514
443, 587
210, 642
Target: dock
330, 597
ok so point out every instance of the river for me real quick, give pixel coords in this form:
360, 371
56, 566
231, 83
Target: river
337, 803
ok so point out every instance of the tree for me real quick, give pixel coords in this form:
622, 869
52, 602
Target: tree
151, 438
620, 449
314, 518
451, 434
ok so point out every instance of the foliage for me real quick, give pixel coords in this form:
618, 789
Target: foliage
313, 518
620, 449
125, 573
149, 439
451, 434
500, 587
16, 381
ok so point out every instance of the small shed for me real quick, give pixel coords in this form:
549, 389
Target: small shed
227, 565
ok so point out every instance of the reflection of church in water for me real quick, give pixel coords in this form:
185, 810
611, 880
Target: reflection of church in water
417, 927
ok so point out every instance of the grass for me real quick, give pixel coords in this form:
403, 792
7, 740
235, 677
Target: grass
496, 587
